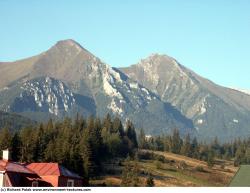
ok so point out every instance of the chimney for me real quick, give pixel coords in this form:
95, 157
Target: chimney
6, 155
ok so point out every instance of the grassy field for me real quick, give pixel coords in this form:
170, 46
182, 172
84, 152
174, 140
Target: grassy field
179, 171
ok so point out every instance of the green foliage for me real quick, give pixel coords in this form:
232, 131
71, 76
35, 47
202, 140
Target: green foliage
238, 150
142, 142
183, 165
5, 138
210, 159
13, 121
131, 134
80, 145
28, 144
130, 174
199, 169
158, 165
176, 142
150, 181
186, 148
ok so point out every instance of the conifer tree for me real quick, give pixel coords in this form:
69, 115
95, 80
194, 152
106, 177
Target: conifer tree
28, 139
150, 181
142, 142
176, 142
195, 148
186, 148
16, 148
131, 134
107, 123
118, 127
86, 153
5, 139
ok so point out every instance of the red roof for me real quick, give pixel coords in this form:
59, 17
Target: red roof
14, 167
45, 169
51, 169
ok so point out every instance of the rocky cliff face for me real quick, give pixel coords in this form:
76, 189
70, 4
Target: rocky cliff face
215, 110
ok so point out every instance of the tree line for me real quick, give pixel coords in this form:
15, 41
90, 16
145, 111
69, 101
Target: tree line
81, 145
237, 150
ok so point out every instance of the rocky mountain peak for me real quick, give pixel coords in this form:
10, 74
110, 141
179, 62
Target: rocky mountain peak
68, 48
69, 43
156, 61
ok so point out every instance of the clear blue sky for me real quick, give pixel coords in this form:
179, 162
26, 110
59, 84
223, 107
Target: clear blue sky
210, 37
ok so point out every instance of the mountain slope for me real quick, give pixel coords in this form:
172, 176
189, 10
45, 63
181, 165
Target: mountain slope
67, 79
215, 110
14, 121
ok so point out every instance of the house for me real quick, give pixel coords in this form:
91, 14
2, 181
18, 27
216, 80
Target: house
13, 174
242, 177
55, 174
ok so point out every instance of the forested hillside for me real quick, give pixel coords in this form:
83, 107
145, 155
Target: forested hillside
14, 121
81, 145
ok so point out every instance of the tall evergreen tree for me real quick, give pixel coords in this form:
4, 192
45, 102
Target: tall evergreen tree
16, 147
176, 142
28, 139
186, 148
118, 127
142, 142
5, 139
131, 134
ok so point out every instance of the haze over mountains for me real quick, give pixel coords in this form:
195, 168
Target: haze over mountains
157, 94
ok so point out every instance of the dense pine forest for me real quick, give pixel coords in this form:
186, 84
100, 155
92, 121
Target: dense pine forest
83, 145
80, 145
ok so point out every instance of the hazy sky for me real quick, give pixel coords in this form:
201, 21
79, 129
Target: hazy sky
210, 37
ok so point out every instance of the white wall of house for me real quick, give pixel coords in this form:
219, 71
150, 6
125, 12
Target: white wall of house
1, 179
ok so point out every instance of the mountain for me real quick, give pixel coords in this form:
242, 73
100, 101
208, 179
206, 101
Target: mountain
215, 110
67, 79
242, 90
14, 121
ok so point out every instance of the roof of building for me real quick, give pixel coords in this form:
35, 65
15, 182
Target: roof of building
14, 167
47, 169
242, 177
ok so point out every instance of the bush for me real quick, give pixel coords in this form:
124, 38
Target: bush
150, 181
183, 165
161, 158
152, 156
199, 169
222, 166
158, 165
104, 184
145, 155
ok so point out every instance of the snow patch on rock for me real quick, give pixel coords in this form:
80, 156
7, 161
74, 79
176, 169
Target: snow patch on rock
50, 94
134, 85
200, 121
202, 108
115, 109
236, 121
110, 90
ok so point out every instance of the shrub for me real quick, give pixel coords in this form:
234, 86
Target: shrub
183, 165
199, 169
150, 181
145, 155
158, 165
